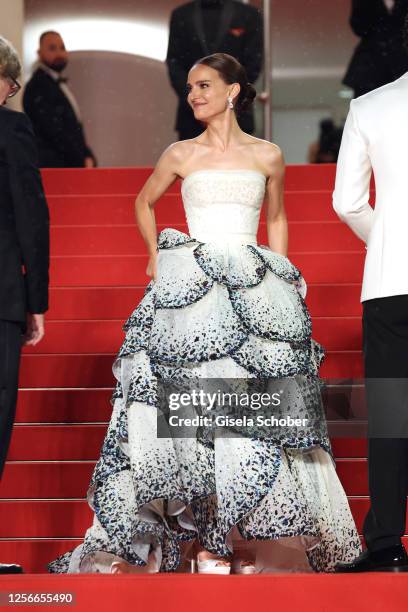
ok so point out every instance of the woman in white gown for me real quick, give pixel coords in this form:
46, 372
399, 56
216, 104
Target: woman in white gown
218, 306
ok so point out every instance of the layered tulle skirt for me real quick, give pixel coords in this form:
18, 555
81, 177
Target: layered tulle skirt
216, 311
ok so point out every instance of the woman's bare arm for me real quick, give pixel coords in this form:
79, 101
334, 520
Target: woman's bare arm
163, 175
276, 221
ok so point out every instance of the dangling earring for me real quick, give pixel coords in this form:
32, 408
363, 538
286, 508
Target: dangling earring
230, 104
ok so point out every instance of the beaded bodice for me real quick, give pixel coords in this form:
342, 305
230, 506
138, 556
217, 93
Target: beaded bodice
223, 205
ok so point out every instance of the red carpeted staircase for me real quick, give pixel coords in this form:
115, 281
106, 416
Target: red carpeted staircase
97, 278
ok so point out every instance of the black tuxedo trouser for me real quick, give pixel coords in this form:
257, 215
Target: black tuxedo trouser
385, 345
10, 349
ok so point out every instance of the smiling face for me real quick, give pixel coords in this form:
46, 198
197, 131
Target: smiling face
208, 93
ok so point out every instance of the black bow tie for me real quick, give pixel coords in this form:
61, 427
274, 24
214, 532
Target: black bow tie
62, 80
211, 3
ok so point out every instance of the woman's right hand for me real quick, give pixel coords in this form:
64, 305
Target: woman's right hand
151, 269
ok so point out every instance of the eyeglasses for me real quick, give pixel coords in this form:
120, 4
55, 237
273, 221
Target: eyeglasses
15, 87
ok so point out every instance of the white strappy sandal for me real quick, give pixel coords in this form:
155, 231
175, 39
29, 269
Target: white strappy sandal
242, 566
213, 566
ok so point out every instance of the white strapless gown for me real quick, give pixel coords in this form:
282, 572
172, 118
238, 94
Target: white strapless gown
222, 307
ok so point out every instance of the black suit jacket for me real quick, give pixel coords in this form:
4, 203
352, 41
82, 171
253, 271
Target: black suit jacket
380, 57
240, 34
24, 221
60, 136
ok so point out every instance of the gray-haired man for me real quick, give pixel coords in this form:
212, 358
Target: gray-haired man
24, 247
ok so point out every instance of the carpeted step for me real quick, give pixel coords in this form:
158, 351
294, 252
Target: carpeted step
45, 479
343, 400
74, 181
96, 303
178, 592
81, 337
90, 303
56, 442
71, 518
330, 300
83, 371
64, 405
44, 518
117, 302
66, 371
119, 209
34, 556
130, 270
126, 239
349, 447
82, 442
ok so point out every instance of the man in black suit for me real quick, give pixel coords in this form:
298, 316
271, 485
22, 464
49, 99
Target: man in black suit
24, 247
54, 111
203, 27
379, 58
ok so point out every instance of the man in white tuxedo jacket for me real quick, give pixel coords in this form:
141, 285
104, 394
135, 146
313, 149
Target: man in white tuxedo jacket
375, 139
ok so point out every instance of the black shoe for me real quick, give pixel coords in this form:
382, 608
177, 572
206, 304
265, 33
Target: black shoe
391, 559
10, 568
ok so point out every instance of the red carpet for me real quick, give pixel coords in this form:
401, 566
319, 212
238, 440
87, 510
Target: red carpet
181, 593
98, 276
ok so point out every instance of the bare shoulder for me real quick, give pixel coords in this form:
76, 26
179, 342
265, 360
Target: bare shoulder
175, 155
269, 156
269, 152
176, 151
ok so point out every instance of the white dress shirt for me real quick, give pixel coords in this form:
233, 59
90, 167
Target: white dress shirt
375, 138
389, 4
